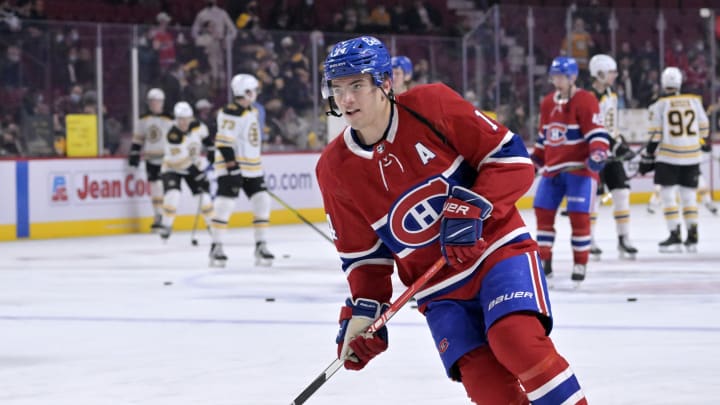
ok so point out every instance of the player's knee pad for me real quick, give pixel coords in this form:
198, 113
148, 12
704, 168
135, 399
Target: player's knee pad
171, 201
621, 199
688, 197
480, 369
253, 185
223, 208
261, 206
156, 188
668, 196
229, 185
545, 218
520, 344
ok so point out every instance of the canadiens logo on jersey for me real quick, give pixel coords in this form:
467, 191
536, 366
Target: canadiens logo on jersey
555, 134
414, 217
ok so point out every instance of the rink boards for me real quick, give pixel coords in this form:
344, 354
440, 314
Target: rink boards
50, 198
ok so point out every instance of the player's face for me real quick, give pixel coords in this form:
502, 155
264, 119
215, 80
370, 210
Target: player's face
610, 77
156, 106
359, 100
398, 80
562, 83
183, 123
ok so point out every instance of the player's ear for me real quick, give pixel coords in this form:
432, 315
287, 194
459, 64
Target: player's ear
387, 84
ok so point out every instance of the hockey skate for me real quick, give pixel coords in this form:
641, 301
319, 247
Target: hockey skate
625, 249
595, 251
217, 256
547, 268
673, 244
578, 273
156, 226
692, 239
164, 233
263, 257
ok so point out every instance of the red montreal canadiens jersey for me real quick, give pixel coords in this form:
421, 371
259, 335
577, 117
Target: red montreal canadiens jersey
384, 202
568, 132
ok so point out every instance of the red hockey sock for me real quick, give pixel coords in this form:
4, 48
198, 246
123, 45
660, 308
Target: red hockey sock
581, 236
546, 232
487, 382
521, 346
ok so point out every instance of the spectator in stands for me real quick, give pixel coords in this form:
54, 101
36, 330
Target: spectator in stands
68, 104
163, 41
10, 144
11, 70
204, 113
214, 32
249, 18
149, 68
379, 20
422, 18
398, 20
582, 44
176, 85
676, 56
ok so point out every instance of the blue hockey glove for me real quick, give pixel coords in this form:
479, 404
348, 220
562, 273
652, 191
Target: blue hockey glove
596, 160
356, 348
461, 239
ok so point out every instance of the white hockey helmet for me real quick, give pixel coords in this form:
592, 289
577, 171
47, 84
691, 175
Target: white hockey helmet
182, 110
156, 94
671, 78
601, 64
244, 85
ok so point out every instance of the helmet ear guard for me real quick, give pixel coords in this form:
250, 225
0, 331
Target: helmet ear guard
244, 85
671, 78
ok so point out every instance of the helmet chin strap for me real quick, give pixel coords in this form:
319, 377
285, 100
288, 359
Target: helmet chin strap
333, 107
560, 98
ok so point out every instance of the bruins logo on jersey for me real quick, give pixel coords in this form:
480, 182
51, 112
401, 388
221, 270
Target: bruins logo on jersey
175, 136
254, 134
154, 133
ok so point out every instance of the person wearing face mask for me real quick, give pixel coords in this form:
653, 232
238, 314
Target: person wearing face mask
69, 104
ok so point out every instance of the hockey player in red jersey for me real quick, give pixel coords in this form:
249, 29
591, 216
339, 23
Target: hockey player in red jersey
570, 150
424, 174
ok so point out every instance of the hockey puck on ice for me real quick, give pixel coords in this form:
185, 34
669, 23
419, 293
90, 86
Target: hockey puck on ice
168, 283
194, 242
632, 299
286, 256
270, 299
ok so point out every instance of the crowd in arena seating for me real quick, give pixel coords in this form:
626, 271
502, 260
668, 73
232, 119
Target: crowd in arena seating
47, 70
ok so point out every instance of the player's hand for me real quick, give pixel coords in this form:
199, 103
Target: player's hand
356, 348
538, 162
596, 160
461, 239
647, 163
210, 156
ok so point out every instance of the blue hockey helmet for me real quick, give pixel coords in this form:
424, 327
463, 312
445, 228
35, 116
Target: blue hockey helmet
563, 65
402, 62
359, 55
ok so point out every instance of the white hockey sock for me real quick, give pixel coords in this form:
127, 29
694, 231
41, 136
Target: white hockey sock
170, 204
222, 210
206, 207
261, 214
670, 208
621, 211
688, 198
156, 194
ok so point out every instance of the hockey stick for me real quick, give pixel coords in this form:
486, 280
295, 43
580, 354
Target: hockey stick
299, 215
194, 241
379, 323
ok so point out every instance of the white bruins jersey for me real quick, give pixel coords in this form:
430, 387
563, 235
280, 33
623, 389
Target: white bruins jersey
152, 129
608, 103
678, 123
183, 149
239, 129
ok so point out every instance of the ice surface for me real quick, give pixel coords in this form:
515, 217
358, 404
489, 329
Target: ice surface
94, 321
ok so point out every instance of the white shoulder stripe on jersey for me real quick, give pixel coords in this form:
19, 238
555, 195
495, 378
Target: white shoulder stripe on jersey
506, 138
512, 159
